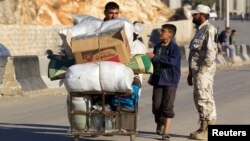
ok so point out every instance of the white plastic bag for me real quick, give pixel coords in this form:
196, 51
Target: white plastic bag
88, 25
91, 26
82, 77
138, 48
99, 76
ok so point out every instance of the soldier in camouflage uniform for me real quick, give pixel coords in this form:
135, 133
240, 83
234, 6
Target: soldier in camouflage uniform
202, 67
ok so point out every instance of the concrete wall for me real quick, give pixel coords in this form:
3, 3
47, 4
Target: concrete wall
30, 39
185, 31
27, 67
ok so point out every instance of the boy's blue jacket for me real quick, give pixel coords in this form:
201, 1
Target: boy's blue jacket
167, 65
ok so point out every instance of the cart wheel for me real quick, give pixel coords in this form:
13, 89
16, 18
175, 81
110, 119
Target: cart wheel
76, 138
132, 137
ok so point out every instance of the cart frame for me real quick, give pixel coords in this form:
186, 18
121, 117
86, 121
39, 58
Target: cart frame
118, 113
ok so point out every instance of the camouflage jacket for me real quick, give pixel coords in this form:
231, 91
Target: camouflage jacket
203, 48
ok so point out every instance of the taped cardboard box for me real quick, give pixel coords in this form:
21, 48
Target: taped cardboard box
107, 46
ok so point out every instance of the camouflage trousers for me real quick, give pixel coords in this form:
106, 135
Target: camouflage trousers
203, 93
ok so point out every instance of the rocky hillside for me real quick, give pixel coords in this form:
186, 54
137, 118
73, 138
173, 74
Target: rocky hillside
59, 12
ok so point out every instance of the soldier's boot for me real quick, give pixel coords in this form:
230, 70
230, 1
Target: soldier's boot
202, 132
211, 122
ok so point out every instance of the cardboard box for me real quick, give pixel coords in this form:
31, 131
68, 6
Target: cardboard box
109, 46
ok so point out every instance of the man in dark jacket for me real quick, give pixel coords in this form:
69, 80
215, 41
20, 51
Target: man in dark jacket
166, 60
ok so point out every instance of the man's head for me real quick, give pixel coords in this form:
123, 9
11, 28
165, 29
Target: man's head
228, 29
111, 11
200, 14
167, 32
233, 32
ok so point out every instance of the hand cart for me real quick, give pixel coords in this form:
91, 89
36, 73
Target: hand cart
124, 122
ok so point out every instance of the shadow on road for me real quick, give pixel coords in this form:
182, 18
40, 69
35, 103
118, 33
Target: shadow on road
31, 132
36, 132
153, 135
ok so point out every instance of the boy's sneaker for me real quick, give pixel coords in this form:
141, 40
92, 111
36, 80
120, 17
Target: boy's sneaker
159, 129
165, 137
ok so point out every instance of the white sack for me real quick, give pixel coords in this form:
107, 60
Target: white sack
79, 18
97, 76
119, 23
82, 77
138, 48
138, 27
88, 26
91, 26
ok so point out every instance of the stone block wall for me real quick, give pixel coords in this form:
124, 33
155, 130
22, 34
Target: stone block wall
23, 40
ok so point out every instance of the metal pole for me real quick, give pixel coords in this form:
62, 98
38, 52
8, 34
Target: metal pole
220, 12
227, 14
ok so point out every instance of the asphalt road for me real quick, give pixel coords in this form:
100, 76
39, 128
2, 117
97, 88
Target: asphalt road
43, 117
